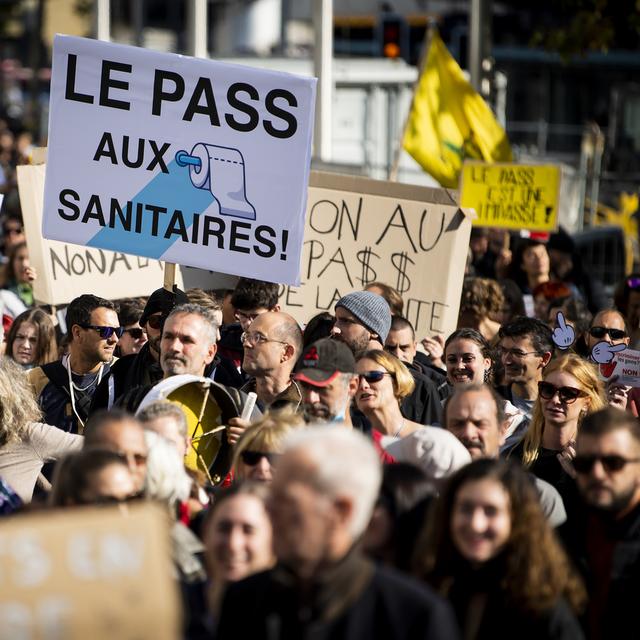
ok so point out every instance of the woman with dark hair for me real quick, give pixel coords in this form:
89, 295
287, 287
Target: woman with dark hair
31, 341
19, 274
237, 538
481, 302
317, 328
470, 359
489, 549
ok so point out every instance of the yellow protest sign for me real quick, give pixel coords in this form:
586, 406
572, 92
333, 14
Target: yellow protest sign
512, 196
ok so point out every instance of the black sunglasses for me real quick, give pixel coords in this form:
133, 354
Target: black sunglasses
135, 332
373, 376
105, 332
567, 395
251, 458
156, 322
611, 463
132, 497
601, 332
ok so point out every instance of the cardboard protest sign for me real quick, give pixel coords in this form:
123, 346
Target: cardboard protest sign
360, 230
512, 196
83, 573
192, 161
66, 271
625, 365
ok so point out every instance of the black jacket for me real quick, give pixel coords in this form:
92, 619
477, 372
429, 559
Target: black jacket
480, 601
620, 617
423, 405
360, 602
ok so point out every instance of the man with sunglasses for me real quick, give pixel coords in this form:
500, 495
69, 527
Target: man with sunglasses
608, 326
604, 538
65, 388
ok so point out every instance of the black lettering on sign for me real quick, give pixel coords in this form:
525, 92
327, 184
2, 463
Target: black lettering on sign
402, 224
275, 110
369, 274
354, 227
119, 257
65, 200
316, 251
203, 88
249, 110
323, 217
438, 236
161, 95
70, 92
338, 258
401, 263
107, 83
325, 306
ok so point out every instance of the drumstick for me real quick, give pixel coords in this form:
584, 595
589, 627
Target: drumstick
208, 433
249, 404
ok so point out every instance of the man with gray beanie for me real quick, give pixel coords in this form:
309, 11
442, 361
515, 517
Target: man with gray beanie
362, 322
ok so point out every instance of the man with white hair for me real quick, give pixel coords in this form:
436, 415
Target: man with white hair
322, 498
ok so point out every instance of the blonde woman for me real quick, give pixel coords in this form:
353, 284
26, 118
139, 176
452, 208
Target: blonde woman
384, 382
25, 443
569, 390
261, 444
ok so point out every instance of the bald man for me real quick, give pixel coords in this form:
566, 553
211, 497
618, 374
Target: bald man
271, 346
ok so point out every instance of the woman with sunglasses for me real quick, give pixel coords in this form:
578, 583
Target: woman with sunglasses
570, 389
260, 445
489, 550
383, 384
31, 341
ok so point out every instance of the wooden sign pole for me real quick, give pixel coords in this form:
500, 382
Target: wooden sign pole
169, 276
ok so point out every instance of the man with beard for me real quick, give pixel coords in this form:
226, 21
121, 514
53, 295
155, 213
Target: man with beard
142, 368
475, 415
362, 322
64, 389
327, 378
604, 539
526, 347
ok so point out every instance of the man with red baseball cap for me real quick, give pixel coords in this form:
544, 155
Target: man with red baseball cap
326, 375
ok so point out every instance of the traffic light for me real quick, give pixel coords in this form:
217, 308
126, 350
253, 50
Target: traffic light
394, 36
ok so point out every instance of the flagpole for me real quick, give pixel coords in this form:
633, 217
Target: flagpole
431, 29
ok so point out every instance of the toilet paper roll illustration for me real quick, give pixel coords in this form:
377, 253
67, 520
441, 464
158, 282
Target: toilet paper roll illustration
219, 170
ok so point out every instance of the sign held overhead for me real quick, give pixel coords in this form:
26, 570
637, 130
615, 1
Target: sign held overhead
191, 161
512, 196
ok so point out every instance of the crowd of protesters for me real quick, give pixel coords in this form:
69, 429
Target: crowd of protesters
482, 484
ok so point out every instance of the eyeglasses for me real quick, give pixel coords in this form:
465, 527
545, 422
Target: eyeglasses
257, 338
251, 458
156, 322
601, 332
518, 354
135, 332
241, 316
373, 376
611, 463
105, 332
568, 395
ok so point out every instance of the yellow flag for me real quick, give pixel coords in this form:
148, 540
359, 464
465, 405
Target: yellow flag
449, 120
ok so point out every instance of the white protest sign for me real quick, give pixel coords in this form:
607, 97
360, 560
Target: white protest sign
359, 231
192, 161
84, 573
625, 365
66, 271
